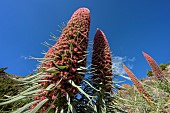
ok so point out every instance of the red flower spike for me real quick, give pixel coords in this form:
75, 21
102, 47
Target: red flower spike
155, 68
101, 62
68, 50
138, 85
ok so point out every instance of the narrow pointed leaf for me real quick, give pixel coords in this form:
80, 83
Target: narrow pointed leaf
20, 110
78, 87
12, 100
39, 106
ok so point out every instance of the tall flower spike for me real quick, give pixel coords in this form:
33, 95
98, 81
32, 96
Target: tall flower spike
155, 68
64, 58
138, 85
101, 62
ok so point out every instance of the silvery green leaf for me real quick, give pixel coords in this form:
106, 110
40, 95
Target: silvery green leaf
51, 71
47, 44
82, 73
39, 106
43, 81
33, 80
12, 100
79, 69
61, 67
78, 87
62, 111
31, 88
125, 77
81, 60
20, 110
30, 77
32, 92
49, 87
40, 59
91, 85
83, 67
72, 109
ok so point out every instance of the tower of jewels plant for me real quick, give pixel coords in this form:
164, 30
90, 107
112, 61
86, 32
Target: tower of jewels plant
57, 83
101, 63
62, 69
102, 78
102, 72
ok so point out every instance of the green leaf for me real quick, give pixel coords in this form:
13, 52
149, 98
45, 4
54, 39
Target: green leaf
34, 80
31, 92
49, 87
91, 85
82, 73
31, 88
78, 87
81, 60
43, 81
52, 71
47, 44
82, 67
71, 108
41, 59
71, 48
12, 100
79, 69
22, 93
39, 106
62, 111
60, 67
30, 77
20, 110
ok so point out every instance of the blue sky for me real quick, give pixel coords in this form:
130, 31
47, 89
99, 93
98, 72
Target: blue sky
131, 26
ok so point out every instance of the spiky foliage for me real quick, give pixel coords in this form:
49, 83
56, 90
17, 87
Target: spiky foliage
157, 93
62, 70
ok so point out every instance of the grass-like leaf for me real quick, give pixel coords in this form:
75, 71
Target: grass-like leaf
79, 88
39, 106
20, 110
12, 100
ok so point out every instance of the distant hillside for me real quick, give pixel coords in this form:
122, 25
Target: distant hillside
9, 87
151, 85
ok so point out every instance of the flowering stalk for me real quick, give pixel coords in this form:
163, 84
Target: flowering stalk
155, 68
64, 59
101, 62
139, 86
102, 71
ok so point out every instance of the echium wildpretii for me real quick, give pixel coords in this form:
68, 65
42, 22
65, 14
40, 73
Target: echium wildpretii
65, 57
139, 86
61, 72
101, 63
102, 72
155, 68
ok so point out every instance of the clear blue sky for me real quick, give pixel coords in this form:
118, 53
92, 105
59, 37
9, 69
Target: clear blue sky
131, 26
